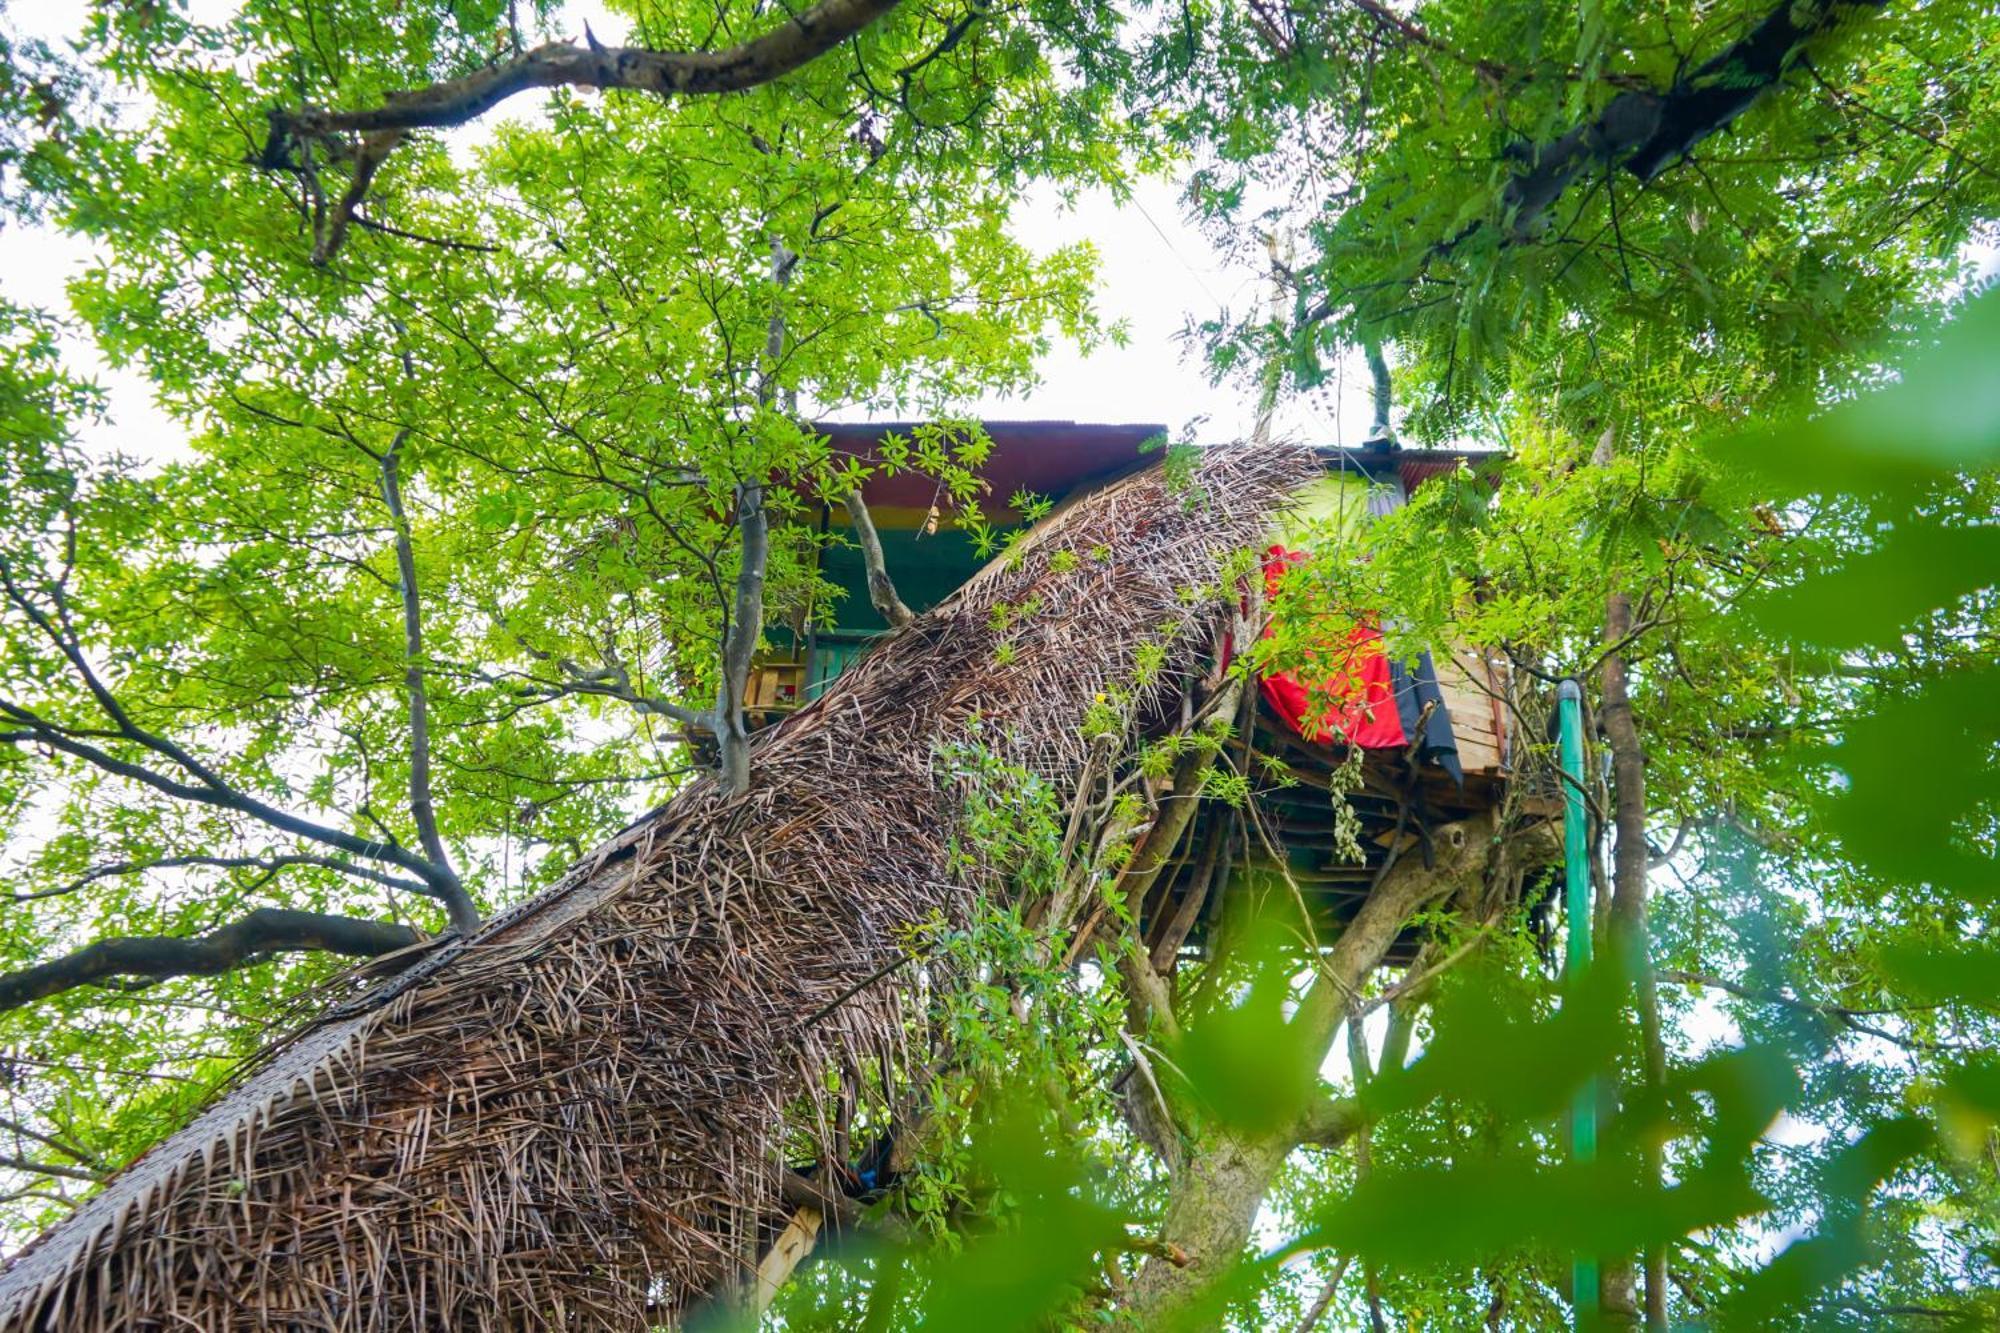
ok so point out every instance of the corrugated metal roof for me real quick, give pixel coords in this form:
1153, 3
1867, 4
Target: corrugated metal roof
1054, 458
1046, 458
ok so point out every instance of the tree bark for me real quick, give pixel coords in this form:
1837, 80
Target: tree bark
1211, 1208
423, 808
1213, 1202
881, 588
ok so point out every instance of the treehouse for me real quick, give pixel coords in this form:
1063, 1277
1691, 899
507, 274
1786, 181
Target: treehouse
1435, 733
929, 555
588, 1111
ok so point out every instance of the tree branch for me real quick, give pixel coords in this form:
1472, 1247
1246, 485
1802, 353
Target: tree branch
1464, 850
1322, 1302
263, 931
368, 159
56, 1169
613, 680
277, 861
69, 1150
881, 588
1645, 132
209, 787
1847, 1017
59, 630
217, 795
771, 55
423, 809
1329, 1124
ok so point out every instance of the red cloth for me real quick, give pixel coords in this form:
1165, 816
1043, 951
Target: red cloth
1353, 703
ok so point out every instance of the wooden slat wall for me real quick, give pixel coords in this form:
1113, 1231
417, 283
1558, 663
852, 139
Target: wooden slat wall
774, 685
1474, 683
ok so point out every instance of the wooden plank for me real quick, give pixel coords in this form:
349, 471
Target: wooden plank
1473, 692
774, 685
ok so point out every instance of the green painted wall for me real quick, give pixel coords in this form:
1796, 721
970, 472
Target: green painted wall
926, 569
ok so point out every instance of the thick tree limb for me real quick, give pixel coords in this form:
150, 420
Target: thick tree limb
266, 930
1464, 850
1330, 1123
1401, 1027
771, 55
881, 588
1215, 1200
1645, 132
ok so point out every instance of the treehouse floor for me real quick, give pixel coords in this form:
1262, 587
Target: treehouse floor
1286, 838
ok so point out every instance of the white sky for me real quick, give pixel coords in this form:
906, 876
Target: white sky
1158, 273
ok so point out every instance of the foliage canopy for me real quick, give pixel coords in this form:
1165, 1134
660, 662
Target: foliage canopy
495, 432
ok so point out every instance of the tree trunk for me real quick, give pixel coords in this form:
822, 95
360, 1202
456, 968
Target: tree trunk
1629, 879
1213, 1201
1630, 868
1210, 1213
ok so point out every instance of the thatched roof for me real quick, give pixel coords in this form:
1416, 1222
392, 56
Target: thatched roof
574, 1119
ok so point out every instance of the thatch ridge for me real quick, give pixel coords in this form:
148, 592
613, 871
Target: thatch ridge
574, 1117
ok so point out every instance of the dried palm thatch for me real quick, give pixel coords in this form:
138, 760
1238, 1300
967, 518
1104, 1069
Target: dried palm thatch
574, 1119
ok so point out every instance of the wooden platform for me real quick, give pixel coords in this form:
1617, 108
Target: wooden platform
1285, 839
